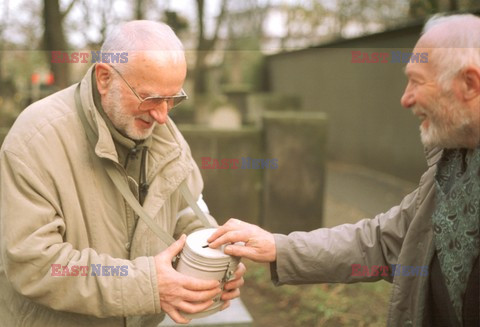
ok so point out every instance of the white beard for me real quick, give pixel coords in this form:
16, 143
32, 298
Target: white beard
123, 122
450, 126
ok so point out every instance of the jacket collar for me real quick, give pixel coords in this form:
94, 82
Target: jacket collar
123, 145
433, 155
103, 144
165, 139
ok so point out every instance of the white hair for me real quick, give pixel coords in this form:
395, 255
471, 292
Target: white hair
457, 46
144, 36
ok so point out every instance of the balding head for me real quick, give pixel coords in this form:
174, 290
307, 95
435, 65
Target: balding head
454, 42
146, 38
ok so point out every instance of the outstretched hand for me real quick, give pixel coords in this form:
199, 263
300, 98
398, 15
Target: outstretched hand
179, 292
259, 244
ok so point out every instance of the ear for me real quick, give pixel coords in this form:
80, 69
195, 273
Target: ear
103, 75
470, 83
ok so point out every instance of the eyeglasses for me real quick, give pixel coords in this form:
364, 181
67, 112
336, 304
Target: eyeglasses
150, 103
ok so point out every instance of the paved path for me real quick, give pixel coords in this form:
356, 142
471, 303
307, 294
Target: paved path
355, 192
235, 316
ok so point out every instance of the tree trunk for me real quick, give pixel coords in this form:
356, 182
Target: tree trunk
200, 71
453, 5
200, 74
434, 6
204, 46
139, 14
54, 40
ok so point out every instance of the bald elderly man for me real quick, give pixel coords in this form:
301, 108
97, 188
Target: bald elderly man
73, 252
429, 244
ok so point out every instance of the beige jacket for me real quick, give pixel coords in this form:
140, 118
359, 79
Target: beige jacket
58, 206
403, 235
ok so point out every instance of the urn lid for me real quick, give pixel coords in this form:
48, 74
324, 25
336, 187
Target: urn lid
196, 243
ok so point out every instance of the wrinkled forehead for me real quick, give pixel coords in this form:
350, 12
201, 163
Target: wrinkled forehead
157, 73
437, 41
157, 57
423, 68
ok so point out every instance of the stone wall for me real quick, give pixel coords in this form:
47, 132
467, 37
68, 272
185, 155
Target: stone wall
293, 193
228, 192
367, 124
279, 180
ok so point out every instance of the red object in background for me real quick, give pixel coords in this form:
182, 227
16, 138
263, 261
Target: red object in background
35, 78
50, 79
45, 79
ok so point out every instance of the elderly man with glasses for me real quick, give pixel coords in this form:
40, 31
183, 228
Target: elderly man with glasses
73, 249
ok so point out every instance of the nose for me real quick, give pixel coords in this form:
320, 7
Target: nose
408, 98
160, 112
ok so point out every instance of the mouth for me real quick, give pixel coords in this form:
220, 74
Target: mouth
420, 114
422, 117
424, 122
145, 122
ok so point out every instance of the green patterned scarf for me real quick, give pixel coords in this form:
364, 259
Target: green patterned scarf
456, 219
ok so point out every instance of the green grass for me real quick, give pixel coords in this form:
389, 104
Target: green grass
361, 304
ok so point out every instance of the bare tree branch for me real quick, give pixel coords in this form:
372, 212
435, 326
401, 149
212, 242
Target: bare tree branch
67, 10
453, 5
200, 17
220, 19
